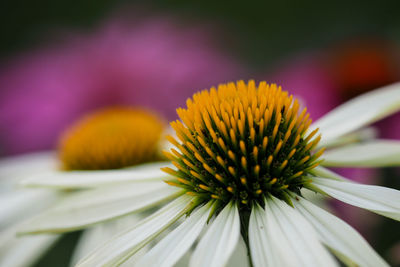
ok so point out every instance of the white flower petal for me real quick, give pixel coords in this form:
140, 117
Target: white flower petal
22, 251
25, 251
85, 208
379, 153
382, 200
326, 173
263, 253
95, 236
239, 256
338, 235
12, 169
361, 135
32, 161
304, 246
123, 246
19, 204
89, 240
171, 248
132, 261
217, 245
183, 261
358, 112
89, 179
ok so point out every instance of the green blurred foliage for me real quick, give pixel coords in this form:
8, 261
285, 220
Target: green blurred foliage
60, 254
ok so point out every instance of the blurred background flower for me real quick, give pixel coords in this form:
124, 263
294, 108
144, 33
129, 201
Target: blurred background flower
60, 60
155, 62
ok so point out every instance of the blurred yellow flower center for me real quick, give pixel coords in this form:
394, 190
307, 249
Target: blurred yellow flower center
242, 142
110, 139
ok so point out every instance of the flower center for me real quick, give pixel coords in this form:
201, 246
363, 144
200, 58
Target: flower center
112, 138
241, 142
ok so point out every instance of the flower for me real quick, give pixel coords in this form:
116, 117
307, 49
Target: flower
243, 156
111, 139
122, 62
118, 137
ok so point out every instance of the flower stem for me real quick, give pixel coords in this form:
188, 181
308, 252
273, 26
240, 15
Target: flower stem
244, 230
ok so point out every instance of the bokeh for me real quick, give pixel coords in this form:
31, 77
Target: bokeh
62, 59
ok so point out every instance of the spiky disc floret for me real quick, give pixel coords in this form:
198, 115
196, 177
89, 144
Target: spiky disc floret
242, 142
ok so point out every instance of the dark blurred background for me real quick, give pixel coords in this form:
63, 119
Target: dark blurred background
327, 52
262, 32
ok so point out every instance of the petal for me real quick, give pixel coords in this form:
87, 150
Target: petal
217, 245
378, 199
338, 235
171, 248
263, 253
361, 135
379, 153
301, 240
25, 251
239, 256
89, 179
93, 237
86, 208
127, 243
12, 169
358, 112
326, 173
19, 204
22, 251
